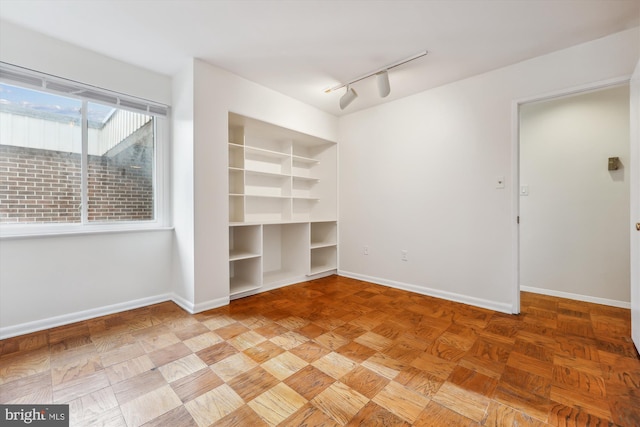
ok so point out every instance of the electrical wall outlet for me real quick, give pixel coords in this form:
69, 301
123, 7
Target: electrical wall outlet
365, 250
404, 255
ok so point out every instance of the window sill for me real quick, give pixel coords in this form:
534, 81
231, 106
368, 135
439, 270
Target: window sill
43, 232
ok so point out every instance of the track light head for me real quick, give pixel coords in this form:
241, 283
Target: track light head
347, 98
384, 88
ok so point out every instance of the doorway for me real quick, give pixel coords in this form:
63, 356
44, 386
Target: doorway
573, 202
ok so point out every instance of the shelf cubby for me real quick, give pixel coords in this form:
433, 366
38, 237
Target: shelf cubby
284, 249
303, 187
267, 184
324, 234
245, 275
267, 209
323, 259
236, 208
236, 156
245, 241
236, 181
267, 161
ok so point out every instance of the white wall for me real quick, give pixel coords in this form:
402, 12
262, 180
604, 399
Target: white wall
50, 281
182, 186
574, 238
419, 174
53, 280
36, 51
216, 93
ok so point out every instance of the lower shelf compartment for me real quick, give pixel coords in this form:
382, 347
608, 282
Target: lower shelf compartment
238, 287
277, 276
323, 259
244, 275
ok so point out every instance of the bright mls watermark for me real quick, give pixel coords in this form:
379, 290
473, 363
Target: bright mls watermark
34, 415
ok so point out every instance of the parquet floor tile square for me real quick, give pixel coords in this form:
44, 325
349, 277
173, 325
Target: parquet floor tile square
150, 405
213, 405
277, 404
196, 384
309, 415
467, 403
375, 415
401, 401
309, 381
335, 352
340, 402
335, 365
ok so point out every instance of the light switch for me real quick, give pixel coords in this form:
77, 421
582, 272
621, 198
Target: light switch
500, 182
524, 190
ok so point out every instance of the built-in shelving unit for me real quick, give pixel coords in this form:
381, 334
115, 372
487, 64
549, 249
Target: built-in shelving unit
282, 206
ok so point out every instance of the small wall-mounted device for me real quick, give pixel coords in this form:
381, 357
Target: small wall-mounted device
614, 163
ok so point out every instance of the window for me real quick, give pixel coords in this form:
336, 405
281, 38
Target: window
75, 155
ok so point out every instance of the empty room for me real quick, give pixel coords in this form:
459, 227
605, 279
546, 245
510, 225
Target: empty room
320, 213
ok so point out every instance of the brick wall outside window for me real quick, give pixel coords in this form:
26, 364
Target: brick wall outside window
43, 186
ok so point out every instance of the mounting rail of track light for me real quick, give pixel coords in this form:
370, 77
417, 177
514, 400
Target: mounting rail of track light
382, 77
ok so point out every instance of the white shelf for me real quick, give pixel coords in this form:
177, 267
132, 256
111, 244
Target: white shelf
240, 254
266, 153
320, 269
262, 173
308, 160
276, 276
305, 178
322, 245
262, 196
240, 286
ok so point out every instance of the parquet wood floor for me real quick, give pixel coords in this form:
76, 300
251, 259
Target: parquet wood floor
335, 352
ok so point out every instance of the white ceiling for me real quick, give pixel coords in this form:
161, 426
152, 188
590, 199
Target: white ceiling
300, 48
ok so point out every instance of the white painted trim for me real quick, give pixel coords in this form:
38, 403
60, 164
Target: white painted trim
515, 207
450, 296
65, 319
211, 304
515, 166
189, 307
577, 297
183, 303
575, 90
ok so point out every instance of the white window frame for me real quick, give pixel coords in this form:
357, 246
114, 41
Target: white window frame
29, 79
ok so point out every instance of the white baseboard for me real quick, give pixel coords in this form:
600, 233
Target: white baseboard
578, 297
65, 319
208, 305
188, 306
184, 304
450, 296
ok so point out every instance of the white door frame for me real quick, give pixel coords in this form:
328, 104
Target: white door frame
515, 168
634, 153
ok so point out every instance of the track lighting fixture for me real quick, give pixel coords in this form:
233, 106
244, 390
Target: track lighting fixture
383, 83
382, 77
347, 98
